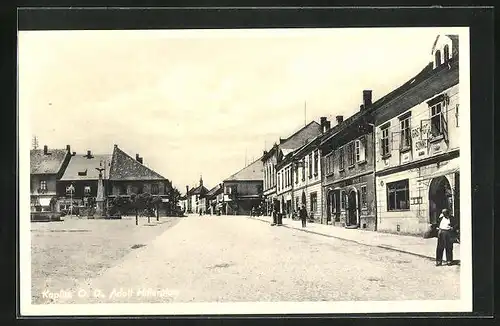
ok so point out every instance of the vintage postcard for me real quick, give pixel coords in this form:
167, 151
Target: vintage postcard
250, 171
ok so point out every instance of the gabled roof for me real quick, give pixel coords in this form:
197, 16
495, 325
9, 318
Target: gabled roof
215, 191
302, 136
252, 172
125, 167
200, 190
82, 167
50, 163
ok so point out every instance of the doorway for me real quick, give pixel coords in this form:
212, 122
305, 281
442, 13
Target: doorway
333, 205
352, 208
440, 197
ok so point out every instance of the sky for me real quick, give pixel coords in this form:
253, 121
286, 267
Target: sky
203, 102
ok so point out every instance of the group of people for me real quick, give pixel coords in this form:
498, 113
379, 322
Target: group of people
302, 215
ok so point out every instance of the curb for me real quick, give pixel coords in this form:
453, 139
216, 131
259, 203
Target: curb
354, 241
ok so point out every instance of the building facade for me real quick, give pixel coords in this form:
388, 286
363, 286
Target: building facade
276, 154
196, 202
417, 150
348, 178
306, 179
243, 190
47, 166
82, 174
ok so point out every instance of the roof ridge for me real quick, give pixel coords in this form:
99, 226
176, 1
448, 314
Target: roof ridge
137, 162
296, 132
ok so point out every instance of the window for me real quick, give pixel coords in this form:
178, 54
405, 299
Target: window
314, 201
398, 194
341, 158
456, 114
360, 149
154, 189
350, 154
43, 185
316, 163
122, 190
343, 200
140, 189
384, 141
310, 162
329, 164
436, 120
296, 173
303, 169
437, 57
405, 133
363, 196
446, 52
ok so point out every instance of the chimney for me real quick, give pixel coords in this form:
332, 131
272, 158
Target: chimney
201, 180
187, 189
361, 107
367, 98
45, 149
89, 154
73, 154
68, 148
327, 125
339, 118
323, 123
140, 160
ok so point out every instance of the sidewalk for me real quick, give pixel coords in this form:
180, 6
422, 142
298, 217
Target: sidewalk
417, 246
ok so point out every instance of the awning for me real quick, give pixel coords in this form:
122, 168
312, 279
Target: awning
438, 174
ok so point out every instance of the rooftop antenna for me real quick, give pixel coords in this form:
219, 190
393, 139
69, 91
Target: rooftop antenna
35, 142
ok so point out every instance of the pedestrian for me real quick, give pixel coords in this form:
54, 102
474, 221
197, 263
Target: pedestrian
303, 215
447, 225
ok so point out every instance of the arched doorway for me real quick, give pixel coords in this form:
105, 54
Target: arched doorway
440, 197
352, 208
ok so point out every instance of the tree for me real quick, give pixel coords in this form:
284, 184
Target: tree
173, 198
118, 204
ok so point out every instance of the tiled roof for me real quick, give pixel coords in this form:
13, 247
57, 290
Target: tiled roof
81, 167
124, 167
41, 163
302, 136
200, 190
215, 191
254, 171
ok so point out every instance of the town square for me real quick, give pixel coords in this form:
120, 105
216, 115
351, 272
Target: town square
226, 167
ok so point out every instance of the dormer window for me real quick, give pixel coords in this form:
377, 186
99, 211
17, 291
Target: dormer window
437, 58
82, 173
446, 52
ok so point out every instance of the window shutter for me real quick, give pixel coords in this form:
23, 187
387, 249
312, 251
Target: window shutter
363, 142
444, 123
395, 140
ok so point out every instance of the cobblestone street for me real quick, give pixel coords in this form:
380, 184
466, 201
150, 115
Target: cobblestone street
223, 258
